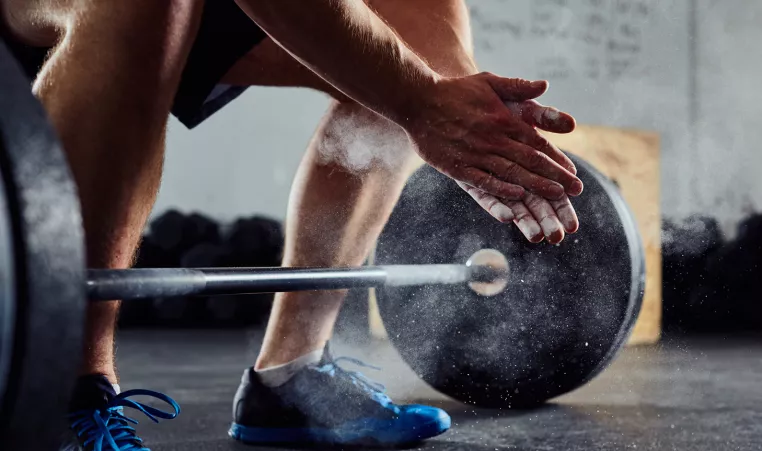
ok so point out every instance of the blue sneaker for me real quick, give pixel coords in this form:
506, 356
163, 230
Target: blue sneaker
97, 421
326, 404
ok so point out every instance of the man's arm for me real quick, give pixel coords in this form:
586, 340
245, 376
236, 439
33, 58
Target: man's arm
459, 125
349, 46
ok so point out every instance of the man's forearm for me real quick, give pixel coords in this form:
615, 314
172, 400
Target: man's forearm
348, 45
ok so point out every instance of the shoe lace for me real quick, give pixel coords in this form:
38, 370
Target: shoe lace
373, 388
108, 429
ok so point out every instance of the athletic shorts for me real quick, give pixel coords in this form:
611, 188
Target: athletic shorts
225, 35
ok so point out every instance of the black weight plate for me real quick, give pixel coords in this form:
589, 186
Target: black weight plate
48, 306
566, 311
7, 291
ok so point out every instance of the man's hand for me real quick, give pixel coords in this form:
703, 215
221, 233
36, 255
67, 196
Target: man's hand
463, 127
536, 218
507, 167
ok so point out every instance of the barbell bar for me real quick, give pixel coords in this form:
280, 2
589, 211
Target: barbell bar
143, 283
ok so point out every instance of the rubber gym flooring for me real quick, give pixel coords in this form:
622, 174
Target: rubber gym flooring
702, 394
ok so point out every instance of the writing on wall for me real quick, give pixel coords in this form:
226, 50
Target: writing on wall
594, 39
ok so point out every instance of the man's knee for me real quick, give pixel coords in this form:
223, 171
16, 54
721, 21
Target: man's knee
361, 141
44, 22
139, 21
155, 35
364, 142
31, 21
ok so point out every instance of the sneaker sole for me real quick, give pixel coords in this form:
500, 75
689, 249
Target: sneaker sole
365, 432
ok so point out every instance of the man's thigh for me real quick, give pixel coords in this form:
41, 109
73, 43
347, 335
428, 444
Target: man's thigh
438, 30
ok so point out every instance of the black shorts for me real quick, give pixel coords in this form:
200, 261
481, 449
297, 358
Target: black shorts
225, 35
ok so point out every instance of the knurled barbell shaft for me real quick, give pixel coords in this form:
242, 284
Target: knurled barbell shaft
126, 284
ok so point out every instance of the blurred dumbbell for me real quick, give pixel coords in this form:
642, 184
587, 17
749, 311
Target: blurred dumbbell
256, 241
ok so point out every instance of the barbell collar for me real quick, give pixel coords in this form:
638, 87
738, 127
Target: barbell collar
128, 284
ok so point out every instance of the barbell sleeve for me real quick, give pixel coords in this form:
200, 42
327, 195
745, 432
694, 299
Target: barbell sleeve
142, 283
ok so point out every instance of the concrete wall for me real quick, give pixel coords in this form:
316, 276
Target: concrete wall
723, 171
689, 69
242, 160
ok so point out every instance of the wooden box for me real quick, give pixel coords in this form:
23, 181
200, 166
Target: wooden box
631, 158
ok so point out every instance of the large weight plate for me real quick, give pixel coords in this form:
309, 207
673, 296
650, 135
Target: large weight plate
566, 311
42, 272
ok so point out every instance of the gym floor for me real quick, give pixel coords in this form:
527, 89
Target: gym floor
693, 395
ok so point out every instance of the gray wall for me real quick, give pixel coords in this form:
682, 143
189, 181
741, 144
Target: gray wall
242, 160
689, 69
722, 173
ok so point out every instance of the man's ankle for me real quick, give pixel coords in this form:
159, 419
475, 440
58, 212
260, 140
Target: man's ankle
108, 373
271, 359
277, 375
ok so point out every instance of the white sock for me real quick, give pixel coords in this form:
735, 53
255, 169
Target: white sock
275, 376
117, 388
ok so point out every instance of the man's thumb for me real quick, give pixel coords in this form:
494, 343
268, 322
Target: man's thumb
516, 89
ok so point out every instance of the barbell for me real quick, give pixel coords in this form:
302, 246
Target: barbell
513, 325
148, 283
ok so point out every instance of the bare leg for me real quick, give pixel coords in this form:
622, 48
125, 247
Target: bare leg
335, 214
353, 172
108, 87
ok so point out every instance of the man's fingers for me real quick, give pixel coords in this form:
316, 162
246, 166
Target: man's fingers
496, 208
521, 160
535, 140
526, 134
515, 89
544, 117
566, 214
535, 217
526, 222
545, 215
491, 184
513, 173
507, 211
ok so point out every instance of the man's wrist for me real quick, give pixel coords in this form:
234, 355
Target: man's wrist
409, 104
